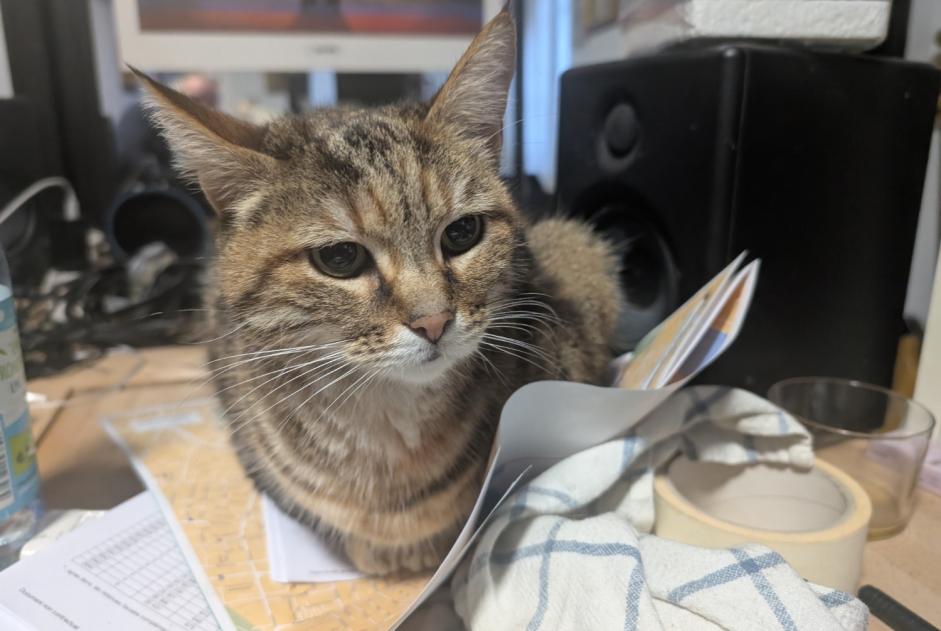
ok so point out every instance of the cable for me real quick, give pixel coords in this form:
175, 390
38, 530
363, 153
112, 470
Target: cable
74, 321
892, 612
70, 207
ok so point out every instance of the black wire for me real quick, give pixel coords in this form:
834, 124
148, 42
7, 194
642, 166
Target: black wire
84, 328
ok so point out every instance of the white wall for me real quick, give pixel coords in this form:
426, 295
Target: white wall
115, 100
6, 84
928, 386
924, 23
547, 53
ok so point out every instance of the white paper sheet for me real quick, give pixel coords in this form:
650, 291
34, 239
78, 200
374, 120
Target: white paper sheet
298, 555
546, 421
121, 572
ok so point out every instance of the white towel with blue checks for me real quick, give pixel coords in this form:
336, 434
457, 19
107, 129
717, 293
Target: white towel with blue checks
569, 551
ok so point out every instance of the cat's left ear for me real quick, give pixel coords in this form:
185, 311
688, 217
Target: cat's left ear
475, 94
223, 154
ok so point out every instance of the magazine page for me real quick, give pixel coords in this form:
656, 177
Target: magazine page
660, 345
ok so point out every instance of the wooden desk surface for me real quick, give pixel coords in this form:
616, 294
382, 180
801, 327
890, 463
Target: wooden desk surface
82, 468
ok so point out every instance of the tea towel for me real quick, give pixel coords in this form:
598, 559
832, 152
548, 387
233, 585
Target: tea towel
571, 550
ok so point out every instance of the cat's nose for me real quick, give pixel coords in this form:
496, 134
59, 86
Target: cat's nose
431, 327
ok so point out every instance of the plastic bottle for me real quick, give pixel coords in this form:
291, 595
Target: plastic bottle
20, 505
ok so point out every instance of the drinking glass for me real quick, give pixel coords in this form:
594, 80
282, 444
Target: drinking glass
877, 436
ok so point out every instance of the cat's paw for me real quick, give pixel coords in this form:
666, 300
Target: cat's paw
382, 560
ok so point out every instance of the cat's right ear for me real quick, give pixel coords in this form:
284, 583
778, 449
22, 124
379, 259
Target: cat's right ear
475, 94
223, 154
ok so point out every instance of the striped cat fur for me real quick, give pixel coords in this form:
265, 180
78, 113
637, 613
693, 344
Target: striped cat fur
365, 403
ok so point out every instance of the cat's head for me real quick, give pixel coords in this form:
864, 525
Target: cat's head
384, 233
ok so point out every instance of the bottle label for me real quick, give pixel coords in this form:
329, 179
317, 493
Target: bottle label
19, 476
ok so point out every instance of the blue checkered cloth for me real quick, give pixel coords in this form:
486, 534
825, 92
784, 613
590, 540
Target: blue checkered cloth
569, 550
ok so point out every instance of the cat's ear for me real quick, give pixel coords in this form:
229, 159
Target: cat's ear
221, 153
475, 94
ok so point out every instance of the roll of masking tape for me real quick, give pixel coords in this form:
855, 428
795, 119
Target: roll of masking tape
816, 519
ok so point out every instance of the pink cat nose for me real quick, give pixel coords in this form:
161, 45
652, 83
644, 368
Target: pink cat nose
431, 327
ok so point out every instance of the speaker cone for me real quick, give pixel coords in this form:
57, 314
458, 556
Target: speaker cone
648, 273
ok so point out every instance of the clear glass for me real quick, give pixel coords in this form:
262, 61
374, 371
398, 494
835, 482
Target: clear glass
877, 436
20, 505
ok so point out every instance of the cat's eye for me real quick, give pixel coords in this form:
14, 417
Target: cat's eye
461, 235
341, 260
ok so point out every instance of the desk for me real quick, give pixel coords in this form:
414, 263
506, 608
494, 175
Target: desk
82, 468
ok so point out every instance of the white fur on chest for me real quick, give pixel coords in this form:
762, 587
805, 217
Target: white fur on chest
389, 420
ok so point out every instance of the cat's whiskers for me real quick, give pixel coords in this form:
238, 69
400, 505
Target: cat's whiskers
535, 293
488, 363
215, 339
157, 314
523, 346
521, 309
516, 312
384, 370
509, 351
311, 397
528, 330
504, 306
278, 351
321, 364
341, 366
531, 329
519, 121
528, 295
256, 357
495, 340
351, 389
520, 312
282, 370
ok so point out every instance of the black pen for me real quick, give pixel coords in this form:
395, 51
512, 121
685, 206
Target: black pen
892, 612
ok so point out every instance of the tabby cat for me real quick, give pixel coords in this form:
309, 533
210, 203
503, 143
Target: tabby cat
378, 296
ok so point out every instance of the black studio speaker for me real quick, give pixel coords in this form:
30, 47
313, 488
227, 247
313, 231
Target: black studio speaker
813, 162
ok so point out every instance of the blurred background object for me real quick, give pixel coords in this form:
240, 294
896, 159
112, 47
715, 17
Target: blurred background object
811, 161
77, 114
629, 27
128, 270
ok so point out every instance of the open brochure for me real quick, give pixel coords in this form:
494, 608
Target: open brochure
695, 333
571, 417
239, 546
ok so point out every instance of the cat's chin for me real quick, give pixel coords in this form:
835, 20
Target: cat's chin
426, 372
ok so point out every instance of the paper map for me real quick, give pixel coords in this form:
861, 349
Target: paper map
182, 451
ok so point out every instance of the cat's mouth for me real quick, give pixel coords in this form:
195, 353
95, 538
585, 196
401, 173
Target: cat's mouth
427, 369
422, 362
429, 364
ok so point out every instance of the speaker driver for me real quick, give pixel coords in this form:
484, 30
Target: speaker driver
648, 276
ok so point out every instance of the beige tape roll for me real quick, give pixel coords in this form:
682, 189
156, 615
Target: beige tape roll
817, 519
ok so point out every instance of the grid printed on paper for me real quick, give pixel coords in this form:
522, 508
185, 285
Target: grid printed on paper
144, 562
